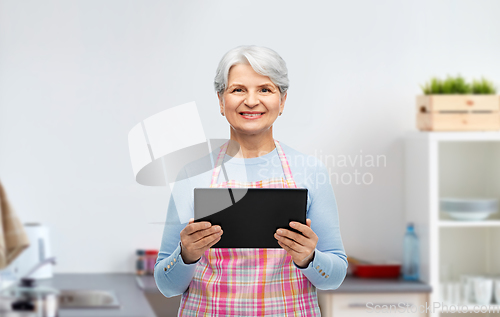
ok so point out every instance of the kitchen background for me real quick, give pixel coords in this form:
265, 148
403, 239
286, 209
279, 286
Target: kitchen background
76, 76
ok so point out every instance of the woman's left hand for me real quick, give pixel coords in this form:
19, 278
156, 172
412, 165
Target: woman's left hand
300, 247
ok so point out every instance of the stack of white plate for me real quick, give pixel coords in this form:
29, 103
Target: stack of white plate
469, 209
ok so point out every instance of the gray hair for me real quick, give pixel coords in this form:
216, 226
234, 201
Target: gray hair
263, 60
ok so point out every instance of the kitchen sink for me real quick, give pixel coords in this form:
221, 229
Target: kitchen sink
88, 299
79, 299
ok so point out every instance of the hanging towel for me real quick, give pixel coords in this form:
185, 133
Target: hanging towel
13, 237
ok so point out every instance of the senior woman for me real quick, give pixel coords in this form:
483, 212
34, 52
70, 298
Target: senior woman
251, 83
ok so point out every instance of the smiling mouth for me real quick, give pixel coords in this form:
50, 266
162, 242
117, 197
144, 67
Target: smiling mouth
251, 114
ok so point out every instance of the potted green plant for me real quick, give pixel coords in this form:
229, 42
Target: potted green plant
453, 104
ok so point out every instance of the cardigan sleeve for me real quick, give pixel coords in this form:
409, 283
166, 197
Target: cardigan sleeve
328, 268
171, 274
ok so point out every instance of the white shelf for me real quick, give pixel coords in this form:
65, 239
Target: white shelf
454, 223
448, 164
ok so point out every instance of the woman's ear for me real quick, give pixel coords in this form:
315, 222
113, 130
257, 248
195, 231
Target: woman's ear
221, 103
282, 102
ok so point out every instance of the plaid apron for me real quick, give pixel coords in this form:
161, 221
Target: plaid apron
249, 281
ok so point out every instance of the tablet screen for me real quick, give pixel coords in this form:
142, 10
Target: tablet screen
249, 217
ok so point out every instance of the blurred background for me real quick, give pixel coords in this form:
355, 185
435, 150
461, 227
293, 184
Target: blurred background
76, 76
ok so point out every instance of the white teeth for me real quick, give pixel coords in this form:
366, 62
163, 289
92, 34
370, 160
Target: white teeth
251, 114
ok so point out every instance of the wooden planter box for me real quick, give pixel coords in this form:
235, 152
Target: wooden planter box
458, 112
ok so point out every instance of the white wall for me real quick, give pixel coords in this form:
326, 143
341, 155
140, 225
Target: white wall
76, 76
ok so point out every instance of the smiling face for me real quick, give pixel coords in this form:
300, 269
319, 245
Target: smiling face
251, 102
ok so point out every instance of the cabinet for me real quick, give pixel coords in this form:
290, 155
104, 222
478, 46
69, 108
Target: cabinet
370, 304
452, 164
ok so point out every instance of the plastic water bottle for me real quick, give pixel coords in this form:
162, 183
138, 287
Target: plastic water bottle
411, 259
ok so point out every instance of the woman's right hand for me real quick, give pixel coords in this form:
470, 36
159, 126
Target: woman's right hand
196, 238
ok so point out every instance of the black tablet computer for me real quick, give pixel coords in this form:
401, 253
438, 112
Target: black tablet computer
249, 217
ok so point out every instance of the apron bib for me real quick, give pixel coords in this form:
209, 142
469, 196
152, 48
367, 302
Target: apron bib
249, 281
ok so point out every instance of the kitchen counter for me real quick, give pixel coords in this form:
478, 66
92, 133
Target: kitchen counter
132, 290
351, 284
133, 302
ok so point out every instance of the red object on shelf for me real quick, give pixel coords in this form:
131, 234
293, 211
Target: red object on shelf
376, 270
150, 260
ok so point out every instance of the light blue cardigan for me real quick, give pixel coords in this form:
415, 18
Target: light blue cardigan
307, 171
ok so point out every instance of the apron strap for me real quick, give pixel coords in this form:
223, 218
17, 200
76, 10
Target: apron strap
285, 166
218, 164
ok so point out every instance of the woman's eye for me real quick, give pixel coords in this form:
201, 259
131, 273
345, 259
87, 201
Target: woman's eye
266, 89
236, 89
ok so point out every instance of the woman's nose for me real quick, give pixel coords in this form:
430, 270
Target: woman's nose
251, 99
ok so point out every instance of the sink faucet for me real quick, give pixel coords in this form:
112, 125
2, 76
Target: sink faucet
27, 281
51, 260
